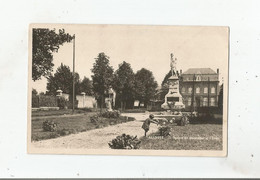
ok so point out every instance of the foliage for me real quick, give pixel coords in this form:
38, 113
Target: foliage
184, 121
111, 114
95, 118
220, 99
125, 142
86, 86
43, 101
102, 76
45, 43
166, 77
124, 83
63, 103
70, 103
145, 85
34, 92
65, 132
35, 99
48, 101
63, 79
49, 126
165, 131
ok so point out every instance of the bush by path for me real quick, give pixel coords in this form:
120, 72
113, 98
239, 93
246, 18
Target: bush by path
125, 142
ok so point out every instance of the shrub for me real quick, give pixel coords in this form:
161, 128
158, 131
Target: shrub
125, 142
165, 131
184, 121
49, 126
65, 132
161, 121
94, 119
63, 103
35, 101
48, 101
111, 114
70, 104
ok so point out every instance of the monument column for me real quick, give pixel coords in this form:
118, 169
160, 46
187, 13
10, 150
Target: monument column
173, 99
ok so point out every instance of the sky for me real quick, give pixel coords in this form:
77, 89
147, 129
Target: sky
143, 47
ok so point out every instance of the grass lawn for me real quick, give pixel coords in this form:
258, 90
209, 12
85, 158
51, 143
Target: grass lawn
190, 137
69, 125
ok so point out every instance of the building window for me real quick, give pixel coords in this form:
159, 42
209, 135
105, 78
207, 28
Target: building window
213, 90
189, 101
212, 101
205, 89
197, 90
205, 101
183, 90
198, 78
190, 89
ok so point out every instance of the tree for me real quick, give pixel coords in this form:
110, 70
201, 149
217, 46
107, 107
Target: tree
220, 99
166, 77
34, 92
45, 42
63, 79
86, 86
102, 77
124, 82
165, 86
35, 98
145, 85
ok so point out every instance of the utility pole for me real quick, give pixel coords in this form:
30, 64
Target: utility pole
73, 89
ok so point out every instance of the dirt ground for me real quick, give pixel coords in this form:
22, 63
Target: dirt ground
99, 138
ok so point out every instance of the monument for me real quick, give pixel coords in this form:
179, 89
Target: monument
173, 99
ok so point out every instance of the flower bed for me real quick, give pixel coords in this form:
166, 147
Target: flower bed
125, 142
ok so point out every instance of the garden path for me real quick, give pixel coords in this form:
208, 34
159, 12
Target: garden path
99, 138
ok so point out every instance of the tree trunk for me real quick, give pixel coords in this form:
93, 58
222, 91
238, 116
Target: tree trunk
102, 100
124, 105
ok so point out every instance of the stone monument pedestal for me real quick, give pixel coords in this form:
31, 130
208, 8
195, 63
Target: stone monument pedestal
173, 99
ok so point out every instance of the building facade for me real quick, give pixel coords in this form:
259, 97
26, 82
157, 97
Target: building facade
199, 88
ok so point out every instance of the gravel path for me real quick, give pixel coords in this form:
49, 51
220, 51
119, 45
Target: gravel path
98, 138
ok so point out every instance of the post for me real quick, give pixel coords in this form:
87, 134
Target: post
73, 89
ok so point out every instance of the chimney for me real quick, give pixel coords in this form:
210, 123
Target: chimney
218, 70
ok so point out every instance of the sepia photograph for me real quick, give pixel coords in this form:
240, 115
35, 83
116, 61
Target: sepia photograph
128, 90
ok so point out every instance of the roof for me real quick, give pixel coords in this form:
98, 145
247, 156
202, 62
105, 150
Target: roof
199, 71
